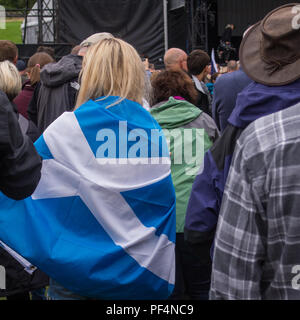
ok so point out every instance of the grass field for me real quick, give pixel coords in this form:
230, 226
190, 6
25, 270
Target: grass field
12, 31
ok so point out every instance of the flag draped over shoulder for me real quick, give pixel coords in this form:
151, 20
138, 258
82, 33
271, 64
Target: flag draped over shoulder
102, 219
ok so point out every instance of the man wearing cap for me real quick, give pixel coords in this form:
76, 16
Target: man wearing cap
275, 71
58, 88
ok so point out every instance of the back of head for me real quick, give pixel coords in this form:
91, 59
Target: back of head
10, 79
21, 65
112, 67
36, 63
175, 60
8, 51
197, 61
214, 77
50, 51
91, 40
269, 51
173, 83
232, 66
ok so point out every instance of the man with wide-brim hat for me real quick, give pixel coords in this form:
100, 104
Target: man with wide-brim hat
257, 243
270, 51
270, 57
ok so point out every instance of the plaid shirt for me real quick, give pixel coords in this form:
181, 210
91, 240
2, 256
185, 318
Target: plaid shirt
257, 246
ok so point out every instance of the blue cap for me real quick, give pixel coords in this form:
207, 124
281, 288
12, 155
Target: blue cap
21, 66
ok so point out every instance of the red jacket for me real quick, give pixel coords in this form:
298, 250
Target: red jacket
24, 97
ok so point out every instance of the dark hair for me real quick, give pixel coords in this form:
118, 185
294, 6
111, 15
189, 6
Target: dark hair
48, 50
21, 65
8, 51
197, 61
214, 77
36, 63
168, 84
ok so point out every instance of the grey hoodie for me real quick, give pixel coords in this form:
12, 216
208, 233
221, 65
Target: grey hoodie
58, 89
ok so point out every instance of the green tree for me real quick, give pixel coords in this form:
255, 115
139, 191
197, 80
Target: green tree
16, 4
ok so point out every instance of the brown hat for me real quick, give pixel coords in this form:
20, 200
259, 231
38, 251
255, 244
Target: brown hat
270, 51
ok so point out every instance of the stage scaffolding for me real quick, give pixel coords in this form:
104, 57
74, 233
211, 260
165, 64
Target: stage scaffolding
198, 14
46, 13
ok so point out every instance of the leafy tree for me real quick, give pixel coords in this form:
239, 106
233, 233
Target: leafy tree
16, 4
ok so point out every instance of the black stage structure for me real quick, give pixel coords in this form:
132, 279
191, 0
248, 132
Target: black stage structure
151, 26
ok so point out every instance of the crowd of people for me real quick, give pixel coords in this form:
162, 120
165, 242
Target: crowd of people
206, 211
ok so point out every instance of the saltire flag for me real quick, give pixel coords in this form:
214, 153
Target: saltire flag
214, 66
102, 219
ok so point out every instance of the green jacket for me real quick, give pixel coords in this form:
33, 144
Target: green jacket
190, 133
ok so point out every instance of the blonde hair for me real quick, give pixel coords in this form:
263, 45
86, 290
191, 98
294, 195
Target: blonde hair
112, 67
10, 79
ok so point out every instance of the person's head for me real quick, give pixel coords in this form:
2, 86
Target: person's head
232, 66
175, 60
112, 67
21, 66
198, 63
8, 51
214, 77
48, 50
269, 52
10, 79
168, 84
35, 64
91, 40
230, 26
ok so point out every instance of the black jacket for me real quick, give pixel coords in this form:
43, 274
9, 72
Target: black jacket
20, 164
17, 279
204, 103
19, 175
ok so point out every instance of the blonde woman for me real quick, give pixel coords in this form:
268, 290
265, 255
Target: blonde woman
112, 68
103, 224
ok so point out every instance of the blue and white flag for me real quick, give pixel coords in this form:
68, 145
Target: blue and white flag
102, 219
214, 66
